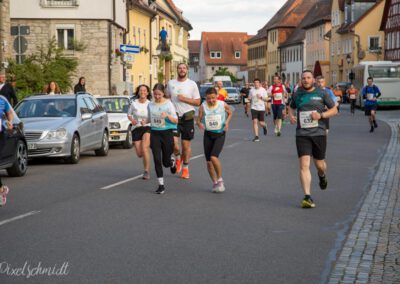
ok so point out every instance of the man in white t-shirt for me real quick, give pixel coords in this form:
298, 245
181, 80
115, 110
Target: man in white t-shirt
185, 95
258, 96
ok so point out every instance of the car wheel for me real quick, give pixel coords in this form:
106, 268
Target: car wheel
20, 165
103, 151
75, 150
128, 141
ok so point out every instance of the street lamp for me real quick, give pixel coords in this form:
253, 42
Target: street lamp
351, 74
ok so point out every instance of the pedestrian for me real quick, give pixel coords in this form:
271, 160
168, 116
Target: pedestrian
310, 103
5, 112
352, 93
321, 83
81, 86
370, 95
278, 94
185, 95
214, 118
339, 96
244, 92
258, 96
163, 121
138, 115
222, 93
7, 90
52, 89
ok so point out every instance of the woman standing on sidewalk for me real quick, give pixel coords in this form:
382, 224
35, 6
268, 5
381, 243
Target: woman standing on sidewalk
163, 121
138, 114
214, 117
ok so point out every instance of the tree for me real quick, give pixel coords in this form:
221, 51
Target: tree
225, 72
47, 64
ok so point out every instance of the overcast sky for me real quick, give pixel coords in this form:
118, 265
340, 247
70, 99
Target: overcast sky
227, 15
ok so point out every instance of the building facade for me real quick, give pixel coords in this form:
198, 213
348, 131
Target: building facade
257, 60
100, 30
5, 37
222, 50
194, 59
390, 25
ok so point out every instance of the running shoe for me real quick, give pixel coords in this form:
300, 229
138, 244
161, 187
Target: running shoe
372, 129
220, 187
256, 139
265, 130
185, 173
307, 203
160, 190
173, 167
375, 124
178, 165
215, 187
3, 196
323, 182
278, 133
146, 175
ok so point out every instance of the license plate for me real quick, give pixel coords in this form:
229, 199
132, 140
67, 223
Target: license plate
31, 146
114, 133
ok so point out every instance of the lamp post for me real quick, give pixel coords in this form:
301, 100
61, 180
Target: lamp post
351, 74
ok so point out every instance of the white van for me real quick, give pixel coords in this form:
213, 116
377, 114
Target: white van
226, 80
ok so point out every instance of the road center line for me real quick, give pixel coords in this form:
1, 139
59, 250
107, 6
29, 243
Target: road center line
140, 176
18, 217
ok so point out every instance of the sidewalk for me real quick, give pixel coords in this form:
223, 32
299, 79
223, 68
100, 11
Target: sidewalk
371, 253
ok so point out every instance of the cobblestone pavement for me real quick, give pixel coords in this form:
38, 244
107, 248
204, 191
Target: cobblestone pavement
371, 253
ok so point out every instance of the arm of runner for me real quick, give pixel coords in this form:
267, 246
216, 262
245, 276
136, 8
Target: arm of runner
379, 92
228, 119
199, 118
171, 114
130, 115
292, 117
10, 116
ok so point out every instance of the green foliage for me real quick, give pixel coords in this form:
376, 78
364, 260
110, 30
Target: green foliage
47, 64
225, 72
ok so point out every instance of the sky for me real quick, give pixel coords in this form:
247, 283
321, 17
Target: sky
227, 15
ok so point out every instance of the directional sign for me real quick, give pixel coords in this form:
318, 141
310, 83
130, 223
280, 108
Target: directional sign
129, 48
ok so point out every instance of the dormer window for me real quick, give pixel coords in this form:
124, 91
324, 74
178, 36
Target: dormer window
215, 54
237, 54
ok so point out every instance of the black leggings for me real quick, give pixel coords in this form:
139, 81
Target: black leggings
162, 146
213, 144
352, 105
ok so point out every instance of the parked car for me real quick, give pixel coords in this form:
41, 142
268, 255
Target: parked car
233, 95
120, 126
344, 86
14, 156
202, 90
64, 126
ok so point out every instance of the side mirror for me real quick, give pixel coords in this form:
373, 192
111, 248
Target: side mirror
87, 116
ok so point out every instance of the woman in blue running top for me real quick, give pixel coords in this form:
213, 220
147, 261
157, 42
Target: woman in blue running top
214, 118
6, 118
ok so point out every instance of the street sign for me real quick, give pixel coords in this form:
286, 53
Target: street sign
129, 57
129, 48
20, 44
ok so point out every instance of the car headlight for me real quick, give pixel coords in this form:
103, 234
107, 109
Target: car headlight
115, 125
56, 134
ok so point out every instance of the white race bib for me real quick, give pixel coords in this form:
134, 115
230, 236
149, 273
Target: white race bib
213, 122
157, 122
278, 96
306, 120
370, 96
352, 97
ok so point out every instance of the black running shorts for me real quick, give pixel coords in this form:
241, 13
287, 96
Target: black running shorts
138, 132
314, 146
257, 114
185, 129
277, 110
213, 144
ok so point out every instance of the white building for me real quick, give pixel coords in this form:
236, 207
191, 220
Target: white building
99, 25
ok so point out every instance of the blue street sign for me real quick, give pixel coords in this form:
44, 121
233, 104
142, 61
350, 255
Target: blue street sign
129, 48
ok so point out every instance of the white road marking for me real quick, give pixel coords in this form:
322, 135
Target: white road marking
140, 176
18, 217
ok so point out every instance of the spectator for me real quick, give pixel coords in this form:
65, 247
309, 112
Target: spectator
52, 89
163, 37
7, 90
81, 86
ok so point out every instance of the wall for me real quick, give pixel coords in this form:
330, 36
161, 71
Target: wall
5, 32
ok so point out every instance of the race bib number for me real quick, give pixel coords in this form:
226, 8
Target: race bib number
306, 120
158, 122
213, 122
353, 97
278, 96
370, 96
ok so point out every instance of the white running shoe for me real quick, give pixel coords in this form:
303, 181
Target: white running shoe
220, 187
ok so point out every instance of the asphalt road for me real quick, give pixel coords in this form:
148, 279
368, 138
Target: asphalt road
255, 232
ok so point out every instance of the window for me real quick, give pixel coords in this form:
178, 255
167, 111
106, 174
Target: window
215, 54
373, 43
237, 54
65, 37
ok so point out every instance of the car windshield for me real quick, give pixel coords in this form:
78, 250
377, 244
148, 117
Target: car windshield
231, 91
115, 105
46, 108
203, 90
384, 71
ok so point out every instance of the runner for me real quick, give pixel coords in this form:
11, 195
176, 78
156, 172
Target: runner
265, 85
214, 117
244, 92
222, 93
138, 114
163, 120
184, 95
339, 96
321, 83
353, 94
5, 111
370, 95
278, 95
258, 96
310, 103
